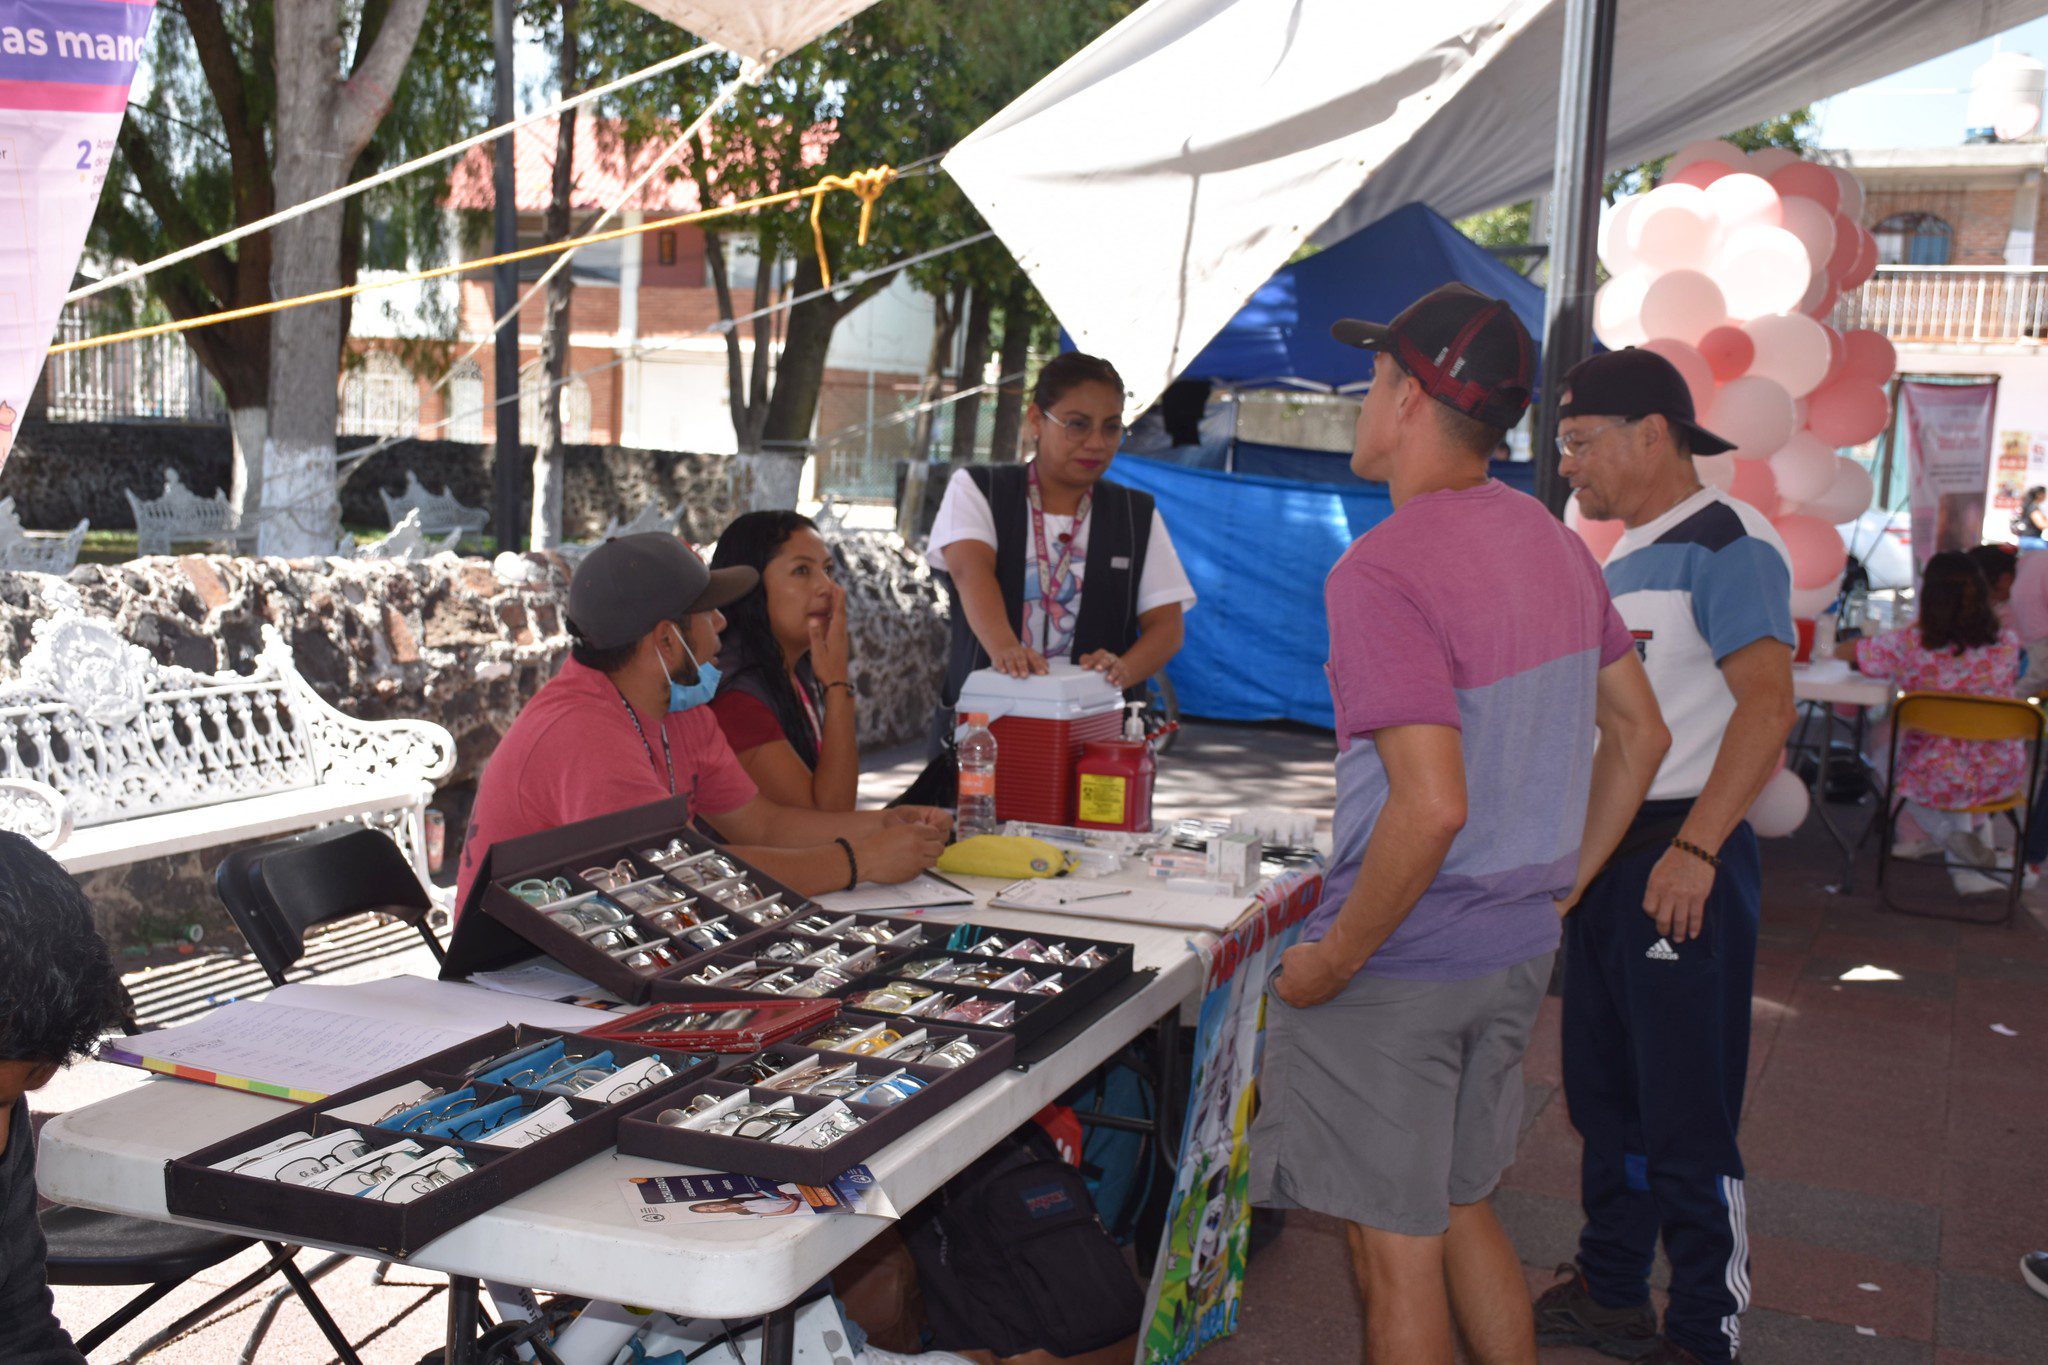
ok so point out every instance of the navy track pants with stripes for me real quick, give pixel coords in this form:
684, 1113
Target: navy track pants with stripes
1656, 1047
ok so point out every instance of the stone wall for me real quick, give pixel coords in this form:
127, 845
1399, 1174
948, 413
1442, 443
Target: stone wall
62, 471
459, 641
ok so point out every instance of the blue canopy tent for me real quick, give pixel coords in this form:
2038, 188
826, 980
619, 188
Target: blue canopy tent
1259, 536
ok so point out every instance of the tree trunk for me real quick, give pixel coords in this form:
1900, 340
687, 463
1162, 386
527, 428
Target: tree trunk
973, 366
245, 482
1012, 356
549, 472
323, 123
946, 310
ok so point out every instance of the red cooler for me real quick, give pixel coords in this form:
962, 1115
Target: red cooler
1041, 724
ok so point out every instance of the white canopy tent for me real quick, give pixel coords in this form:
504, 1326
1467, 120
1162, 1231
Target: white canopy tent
761, 29
1157, 178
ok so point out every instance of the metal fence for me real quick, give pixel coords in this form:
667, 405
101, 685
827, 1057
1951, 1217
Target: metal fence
153, 379
1951, 303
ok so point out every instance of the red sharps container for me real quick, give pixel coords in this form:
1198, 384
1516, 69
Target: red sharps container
1113, 785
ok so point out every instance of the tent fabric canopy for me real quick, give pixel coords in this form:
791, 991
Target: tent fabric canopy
1244, 127
761, 29
1283, 331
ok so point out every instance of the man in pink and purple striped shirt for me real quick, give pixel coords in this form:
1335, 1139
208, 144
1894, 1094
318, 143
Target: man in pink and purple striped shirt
1475, 659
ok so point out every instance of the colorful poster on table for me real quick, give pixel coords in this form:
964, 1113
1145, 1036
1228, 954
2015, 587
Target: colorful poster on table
1947, 429
65, 69
1198, 1276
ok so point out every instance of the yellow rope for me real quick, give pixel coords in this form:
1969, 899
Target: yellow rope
865, 185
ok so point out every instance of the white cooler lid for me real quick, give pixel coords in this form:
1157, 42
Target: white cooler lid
1068, 692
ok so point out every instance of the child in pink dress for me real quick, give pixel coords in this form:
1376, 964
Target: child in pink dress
1956, 645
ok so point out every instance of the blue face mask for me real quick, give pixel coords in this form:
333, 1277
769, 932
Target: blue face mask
683, 696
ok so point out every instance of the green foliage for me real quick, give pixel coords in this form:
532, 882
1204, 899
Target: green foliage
1794, 132
1504, 226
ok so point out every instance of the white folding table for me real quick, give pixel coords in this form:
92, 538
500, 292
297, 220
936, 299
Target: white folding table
1819, 687
575, 1234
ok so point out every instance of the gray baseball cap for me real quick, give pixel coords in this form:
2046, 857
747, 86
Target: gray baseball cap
628, 586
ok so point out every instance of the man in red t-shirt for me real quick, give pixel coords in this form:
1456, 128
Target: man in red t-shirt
624, 724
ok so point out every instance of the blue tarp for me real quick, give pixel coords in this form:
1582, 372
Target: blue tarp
1283, 332
1257, 550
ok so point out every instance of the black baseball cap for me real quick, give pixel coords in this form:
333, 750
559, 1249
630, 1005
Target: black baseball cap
1468, 351
628, 586
1634, 383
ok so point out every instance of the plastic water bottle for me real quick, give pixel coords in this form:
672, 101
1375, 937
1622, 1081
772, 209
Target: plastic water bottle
977, 753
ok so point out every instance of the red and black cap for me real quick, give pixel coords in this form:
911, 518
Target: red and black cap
1468, 351
1632, 383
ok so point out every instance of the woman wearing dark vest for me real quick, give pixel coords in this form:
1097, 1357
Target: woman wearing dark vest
1049, 560
784, 701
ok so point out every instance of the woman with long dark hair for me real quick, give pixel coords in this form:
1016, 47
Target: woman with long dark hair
1957, 645
2030, 523
784, 699
1050, 560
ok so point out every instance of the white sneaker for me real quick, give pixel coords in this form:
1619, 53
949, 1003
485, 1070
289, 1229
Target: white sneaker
1971, 851
1914, 848
875, 1355
1968, 883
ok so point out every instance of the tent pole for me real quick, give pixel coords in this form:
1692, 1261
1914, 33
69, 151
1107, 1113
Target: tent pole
506, 518
1586, 72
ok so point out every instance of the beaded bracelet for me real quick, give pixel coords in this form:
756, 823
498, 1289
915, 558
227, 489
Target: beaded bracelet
1684, 846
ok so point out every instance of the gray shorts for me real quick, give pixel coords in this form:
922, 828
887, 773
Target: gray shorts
1395, 1099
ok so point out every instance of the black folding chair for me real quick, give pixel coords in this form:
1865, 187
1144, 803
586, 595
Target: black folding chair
278, 891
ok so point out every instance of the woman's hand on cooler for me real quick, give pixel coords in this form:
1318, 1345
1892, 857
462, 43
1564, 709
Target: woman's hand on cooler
898, 852
830, 651
1110, 666
1017, 661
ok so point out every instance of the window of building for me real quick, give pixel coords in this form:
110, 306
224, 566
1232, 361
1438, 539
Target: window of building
465, 403
665, 248
575, 406
378, 397
1913, 239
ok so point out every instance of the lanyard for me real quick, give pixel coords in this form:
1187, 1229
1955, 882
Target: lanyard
803, 694
1052, 573
667, 762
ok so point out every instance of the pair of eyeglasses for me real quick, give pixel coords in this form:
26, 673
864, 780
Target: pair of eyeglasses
710, 934
672, 920
755, 1071
812, 924
424, 1114
876, 934
726, 1124
956, 1052
422, 1180
366, 1174
483, 1121
1080, 428
650, 898
307, 1158
889, 1090
988, 1013
881, 1042
542, 890
595, 913
548, 1061
703, 869
789, 950
802, 1082
894, 998
768, 1126
830, 1130
653, 958
590, 1082
1573, 444
613, 877
614, 936
680, 1117
833, 1034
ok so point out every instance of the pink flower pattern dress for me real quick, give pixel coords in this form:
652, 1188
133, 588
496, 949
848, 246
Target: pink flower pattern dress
1950, 774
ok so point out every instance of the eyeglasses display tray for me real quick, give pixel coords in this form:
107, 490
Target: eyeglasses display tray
1022, 984
808, 1111
815, 955
391, 1164
627, 901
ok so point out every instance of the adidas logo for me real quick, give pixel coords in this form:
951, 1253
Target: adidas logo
1662, 951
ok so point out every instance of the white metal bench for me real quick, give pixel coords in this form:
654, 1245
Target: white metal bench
406, 542
108, 757
181, 515
38, 551
647, 519
439, 512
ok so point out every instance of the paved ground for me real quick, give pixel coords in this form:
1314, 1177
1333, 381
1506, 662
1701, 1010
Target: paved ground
1892, 1133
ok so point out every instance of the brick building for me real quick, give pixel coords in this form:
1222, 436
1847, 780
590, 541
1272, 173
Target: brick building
1966, 206
650, 366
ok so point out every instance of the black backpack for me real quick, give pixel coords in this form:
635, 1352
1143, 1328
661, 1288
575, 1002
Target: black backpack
1013, 1258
